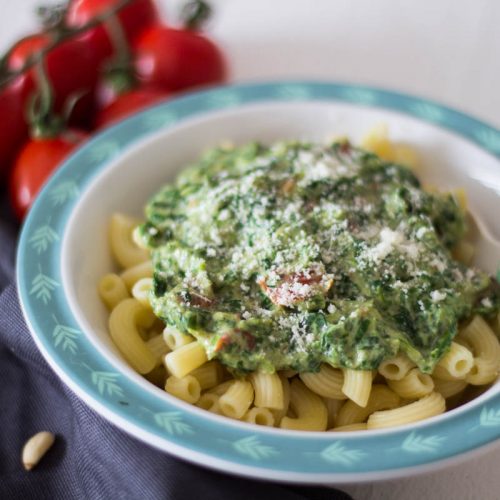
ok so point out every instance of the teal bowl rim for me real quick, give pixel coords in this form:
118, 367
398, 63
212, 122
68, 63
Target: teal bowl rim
168, 425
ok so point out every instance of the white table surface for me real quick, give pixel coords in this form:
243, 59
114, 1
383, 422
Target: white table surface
446, 50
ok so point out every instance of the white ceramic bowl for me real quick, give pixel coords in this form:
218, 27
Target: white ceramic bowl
64, 251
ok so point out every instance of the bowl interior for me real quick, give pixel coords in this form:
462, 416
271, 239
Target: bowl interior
446, 161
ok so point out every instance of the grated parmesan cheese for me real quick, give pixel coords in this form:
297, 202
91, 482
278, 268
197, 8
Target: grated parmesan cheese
437, 296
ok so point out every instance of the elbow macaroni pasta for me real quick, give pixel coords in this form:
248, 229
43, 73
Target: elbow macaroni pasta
112, 290
140, 291
124, 249
328, 382
268, 390
455, 364
381, 398
186, 388
486, 350
124, 323
185, 359
311, 413
395, 368
259, 416
357, 385
341, 400
429, 406
236, 401
133, 274
413, 385
175, 339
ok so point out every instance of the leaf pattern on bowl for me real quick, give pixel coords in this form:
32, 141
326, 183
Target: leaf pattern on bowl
63, 192
173, 423
490, 417
337, 453
415, 443
43, 286
158, 119
42, 238
106, 383
65, 337
223, 98
102, 151
251, 447
489, 139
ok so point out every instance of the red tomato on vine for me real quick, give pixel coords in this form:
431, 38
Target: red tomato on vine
134, 17
127, 103
13, 127
35, 163
177, 59
72, 68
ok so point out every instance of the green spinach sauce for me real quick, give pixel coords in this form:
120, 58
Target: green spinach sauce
295, 254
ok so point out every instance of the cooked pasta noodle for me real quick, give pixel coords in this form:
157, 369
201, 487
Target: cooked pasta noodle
133, 274
124, 323
279, 414
210, 402
455, 364
236, 401
158, 347
123, 248
186, 388
268, 390
350, 427
357, 385
140, 291
429, 406
259, 416
185, 359
175, 339
486, 350
222, 388
464, 252
395, 368
333, 407
413, 385
311, 413
208, 375
328, 382
381, 398
449, 388
112, 290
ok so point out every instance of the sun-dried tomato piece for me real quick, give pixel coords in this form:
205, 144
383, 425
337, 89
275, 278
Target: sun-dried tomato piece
222, 342
296, 287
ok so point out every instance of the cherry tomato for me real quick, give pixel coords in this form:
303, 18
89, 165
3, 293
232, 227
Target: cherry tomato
127, 104
36, 161
72, 68
176, 59
13, 126
26, 49
133, 17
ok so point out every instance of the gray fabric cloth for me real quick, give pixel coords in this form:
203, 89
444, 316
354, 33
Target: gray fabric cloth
91, 459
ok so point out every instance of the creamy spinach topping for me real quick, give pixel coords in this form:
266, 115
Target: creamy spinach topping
289, 255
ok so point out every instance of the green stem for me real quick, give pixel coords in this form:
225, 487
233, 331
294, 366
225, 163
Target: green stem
195, 13
119, 70
44, 123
